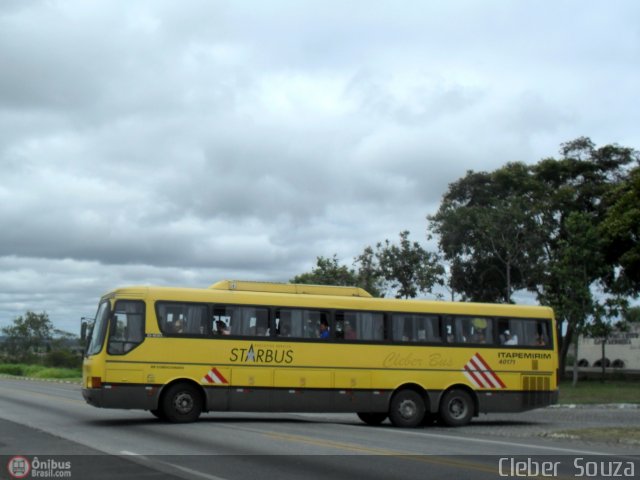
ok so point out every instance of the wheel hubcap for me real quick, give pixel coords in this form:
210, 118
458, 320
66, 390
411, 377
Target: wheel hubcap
183, 402
407, 409
457, 408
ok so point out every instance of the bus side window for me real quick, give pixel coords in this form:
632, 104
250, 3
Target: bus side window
359, 325
542, 338
127, 330
482, 330
534, 333
223, 320
282, 322
416, 328
448, 330
511, 330
251, 322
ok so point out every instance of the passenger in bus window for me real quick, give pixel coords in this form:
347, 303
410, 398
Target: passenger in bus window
479, 337
349, 332
221, 328
178, 327
539, 340
324, 329
510, 339
285, 329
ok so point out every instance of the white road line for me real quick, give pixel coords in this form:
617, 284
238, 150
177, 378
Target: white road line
190, 471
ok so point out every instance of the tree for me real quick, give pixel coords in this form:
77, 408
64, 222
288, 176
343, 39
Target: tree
408, 268
29, 334
601, 328
488, 232
369, 275
620, 231
573, 202
328, 271
577, 264
525, 226
632, 315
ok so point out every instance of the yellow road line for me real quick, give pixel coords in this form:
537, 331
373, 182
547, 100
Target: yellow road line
379, 451
430, 459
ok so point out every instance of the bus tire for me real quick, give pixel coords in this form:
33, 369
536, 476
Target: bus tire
372, 418
181, 403
456, 408
407, 409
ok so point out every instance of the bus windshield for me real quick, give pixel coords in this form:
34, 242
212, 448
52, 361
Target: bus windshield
99, 329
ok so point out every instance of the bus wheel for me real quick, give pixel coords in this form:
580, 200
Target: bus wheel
181, 403
372, 418
456, 408
407, 409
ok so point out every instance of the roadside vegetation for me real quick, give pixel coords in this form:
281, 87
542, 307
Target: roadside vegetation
32, 347
39, 371
598, 392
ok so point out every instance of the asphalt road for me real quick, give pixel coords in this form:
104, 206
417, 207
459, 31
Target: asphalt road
46, 420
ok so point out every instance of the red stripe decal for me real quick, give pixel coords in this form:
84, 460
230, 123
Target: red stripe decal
489, 368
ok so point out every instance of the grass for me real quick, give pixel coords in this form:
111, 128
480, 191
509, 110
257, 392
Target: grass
39, 371
595, 392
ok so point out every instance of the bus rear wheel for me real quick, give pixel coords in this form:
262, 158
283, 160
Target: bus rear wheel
456, 408
372, 418
181, 403
407, 409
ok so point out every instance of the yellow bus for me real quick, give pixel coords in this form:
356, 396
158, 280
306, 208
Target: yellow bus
267, 347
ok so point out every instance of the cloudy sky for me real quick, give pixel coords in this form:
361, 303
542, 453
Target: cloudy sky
179, 143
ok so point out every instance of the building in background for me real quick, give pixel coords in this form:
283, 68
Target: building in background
622, 350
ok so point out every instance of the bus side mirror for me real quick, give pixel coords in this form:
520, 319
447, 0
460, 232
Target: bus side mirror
83, 330
86, 330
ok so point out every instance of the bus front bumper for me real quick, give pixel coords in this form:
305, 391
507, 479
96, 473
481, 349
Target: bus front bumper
138, 397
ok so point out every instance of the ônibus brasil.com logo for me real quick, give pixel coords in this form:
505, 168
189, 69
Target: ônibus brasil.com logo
21, 467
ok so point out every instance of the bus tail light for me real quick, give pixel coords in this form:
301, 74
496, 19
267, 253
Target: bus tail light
95, 382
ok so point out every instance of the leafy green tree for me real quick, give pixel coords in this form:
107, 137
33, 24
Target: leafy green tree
369, 275
489, 233
573, 203
632, 315
602, 327
408, 267
620, 231
30, 334
328, 271
525, 226
578, 263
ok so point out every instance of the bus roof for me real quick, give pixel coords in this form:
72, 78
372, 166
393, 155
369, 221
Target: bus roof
292, 288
